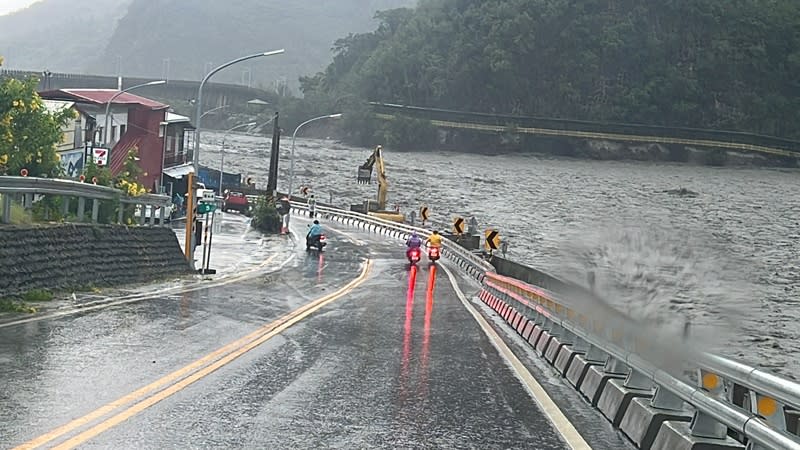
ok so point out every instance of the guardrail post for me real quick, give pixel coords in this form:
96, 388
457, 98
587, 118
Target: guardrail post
6, 208
65, 206
614, 365
636, 380
702, 424
95, 209
771, 410
120, 212
596, 354
664, 399
81, 209
161, 216
143, 214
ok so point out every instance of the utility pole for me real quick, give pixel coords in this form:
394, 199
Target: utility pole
272, 180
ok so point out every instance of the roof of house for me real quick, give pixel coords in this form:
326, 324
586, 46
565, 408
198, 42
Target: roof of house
176, 118
101, 97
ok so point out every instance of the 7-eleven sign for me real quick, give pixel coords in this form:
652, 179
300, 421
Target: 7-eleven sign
101, 157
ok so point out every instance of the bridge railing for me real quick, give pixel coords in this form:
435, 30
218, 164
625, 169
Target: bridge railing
31, 189
583, 128
722, 400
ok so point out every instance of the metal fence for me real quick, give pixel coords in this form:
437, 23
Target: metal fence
721, 401
149, 209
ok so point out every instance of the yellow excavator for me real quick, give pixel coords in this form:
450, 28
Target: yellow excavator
377, 209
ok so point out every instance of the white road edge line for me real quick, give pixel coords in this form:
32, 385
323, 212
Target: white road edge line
536, 391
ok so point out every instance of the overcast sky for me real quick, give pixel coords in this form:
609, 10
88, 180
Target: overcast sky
7, 6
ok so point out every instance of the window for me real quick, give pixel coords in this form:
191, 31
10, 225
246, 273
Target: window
122, 130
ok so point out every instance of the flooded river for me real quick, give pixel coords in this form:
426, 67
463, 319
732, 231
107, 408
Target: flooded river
722, 255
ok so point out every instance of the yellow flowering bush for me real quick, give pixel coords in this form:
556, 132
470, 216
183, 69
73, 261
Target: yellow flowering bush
28, 132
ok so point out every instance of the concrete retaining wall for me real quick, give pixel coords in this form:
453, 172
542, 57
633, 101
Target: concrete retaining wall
73, 255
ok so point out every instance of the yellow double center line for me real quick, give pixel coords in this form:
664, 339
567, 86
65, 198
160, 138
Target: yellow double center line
180, 379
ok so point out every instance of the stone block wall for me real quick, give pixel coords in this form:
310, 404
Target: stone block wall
74, 255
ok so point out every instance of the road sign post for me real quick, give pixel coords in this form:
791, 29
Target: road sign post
189, 249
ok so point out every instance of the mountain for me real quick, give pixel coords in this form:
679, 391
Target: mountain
723, 64
181, 39
58, 35
184, 39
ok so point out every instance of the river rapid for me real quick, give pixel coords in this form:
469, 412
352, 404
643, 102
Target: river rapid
722, 256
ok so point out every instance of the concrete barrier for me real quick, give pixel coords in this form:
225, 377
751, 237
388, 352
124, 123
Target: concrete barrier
616, 398
678, 436
642, 421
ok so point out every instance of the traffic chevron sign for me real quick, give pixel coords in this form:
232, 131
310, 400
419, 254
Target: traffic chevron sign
492, 239
458, 225
424, 213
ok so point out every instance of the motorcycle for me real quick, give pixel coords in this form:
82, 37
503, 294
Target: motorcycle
434, 253
317, 242
413, 255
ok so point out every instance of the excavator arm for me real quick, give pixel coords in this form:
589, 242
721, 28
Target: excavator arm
365, 175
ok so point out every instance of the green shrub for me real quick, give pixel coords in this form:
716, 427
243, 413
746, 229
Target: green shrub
37, 295
265, 217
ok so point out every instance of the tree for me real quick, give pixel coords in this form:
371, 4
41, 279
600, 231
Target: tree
724, 64
28, 131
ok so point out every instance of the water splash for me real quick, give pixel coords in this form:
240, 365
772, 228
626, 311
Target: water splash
663, 277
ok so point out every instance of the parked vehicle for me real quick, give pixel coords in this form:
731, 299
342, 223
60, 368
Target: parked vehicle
236, 201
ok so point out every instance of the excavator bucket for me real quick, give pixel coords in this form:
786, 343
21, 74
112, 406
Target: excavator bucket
364, 175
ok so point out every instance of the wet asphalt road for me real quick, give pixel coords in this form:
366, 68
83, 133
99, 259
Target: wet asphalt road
396, 362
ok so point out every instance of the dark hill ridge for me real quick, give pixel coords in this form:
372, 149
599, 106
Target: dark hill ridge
141, 35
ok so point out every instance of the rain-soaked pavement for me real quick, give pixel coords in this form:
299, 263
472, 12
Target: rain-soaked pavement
391, 358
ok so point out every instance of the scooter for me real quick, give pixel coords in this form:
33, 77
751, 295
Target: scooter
434, 253
413, 255
317, 242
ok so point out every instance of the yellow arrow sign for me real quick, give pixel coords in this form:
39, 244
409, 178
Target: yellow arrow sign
458, 225
492, 239
424, 213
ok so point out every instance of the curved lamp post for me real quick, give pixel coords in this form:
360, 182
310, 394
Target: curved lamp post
108, 105
199, 115
222, 157
294, 136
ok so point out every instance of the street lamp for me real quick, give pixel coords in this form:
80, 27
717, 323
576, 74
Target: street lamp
108, 105
213, 110
199, 115
294, 136
222, 157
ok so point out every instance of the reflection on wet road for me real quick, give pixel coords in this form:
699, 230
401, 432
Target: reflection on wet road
348, 348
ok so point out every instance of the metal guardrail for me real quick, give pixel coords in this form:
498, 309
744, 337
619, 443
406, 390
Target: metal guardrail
620, 343
711, 400
468, 261
29, 187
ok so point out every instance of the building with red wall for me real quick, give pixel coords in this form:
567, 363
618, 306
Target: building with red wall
135, 123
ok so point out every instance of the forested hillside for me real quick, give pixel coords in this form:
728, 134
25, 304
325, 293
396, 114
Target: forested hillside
726, 64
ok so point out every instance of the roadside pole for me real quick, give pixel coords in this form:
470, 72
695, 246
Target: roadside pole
188, 250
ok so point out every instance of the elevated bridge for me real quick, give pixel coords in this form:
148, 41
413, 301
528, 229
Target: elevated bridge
214, 94
619, 132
